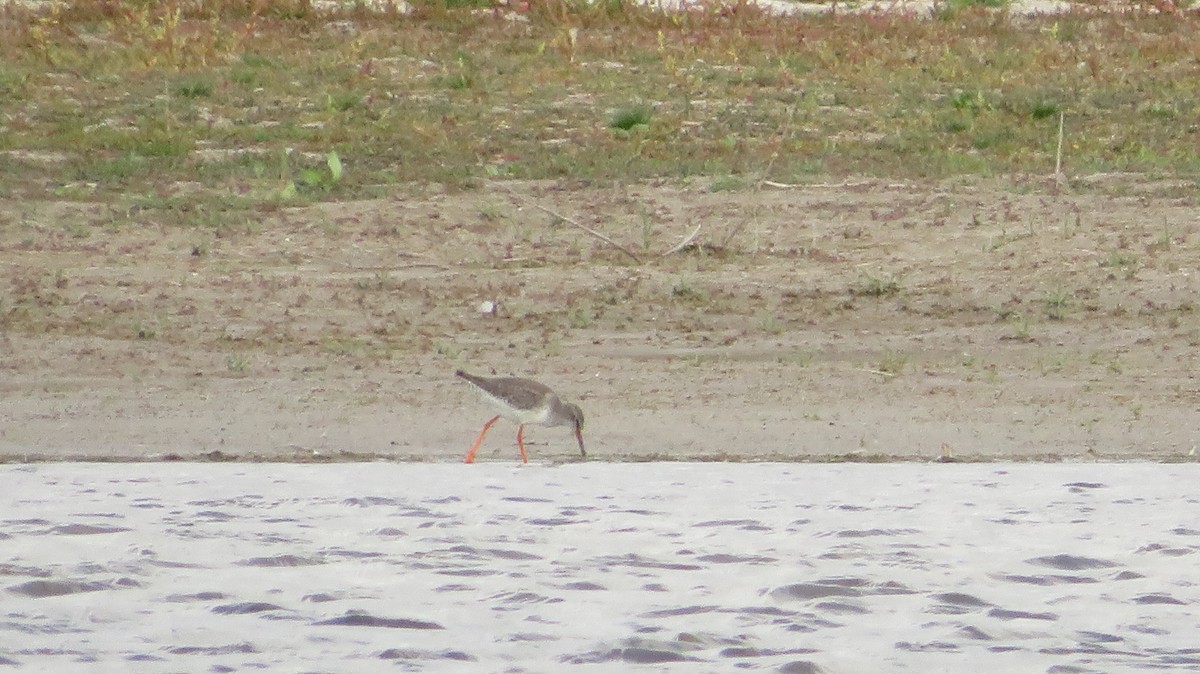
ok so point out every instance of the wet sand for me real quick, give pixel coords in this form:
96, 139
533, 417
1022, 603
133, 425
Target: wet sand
861, 320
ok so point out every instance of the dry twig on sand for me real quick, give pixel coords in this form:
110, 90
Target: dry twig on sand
576, 223
589, 230
687, 240
1058, 174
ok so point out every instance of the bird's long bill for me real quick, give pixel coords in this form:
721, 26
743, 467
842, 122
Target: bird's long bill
579, 437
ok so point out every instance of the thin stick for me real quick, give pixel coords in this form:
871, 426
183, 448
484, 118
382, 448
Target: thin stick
1058, 157
589, 230
881, 373
575, 223
410, 265
687, 240
422, 265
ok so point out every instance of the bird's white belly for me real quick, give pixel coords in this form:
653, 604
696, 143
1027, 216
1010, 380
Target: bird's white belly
539, 415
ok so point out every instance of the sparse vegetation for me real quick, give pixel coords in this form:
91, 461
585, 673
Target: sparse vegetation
582, 315
237, 363
311, 178
1123, 260
892, 362
167, 89
1021, 327
1119, 259
685, 292
727, 184
1057, 303
380, 280
345, 345
491, 212
771, 324
951, 10
195, 89
871, 285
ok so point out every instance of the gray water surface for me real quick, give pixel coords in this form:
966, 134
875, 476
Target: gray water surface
600, 567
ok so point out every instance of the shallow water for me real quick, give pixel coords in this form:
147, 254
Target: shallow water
676, 567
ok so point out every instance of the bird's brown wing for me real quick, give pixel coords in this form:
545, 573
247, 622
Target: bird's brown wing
515, 391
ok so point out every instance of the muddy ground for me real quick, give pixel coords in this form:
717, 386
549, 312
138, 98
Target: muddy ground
853, 320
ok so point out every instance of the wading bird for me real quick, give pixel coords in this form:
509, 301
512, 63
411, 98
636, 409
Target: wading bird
523, 401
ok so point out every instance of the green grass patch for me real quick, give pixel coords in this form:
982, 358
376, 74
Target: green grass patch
195, 89
627, 118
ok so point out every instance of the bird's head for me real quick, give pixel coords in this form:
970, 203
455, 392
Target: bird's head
576, 415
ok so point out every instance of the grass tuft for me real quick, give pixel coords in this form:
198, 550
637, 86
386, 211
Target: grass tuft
195, 89
686, 292
892, 362
876, 286
1044, 109
1057, 304
627, 118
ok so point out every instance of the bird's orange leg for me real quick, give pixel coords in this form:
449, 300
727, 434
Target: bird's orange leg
479, 440
521, 443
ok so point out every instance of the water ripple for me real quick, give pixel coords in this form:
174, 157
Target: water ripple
648, 567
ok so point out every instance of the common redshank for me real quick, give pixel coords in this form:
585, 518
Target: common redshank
523, 401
